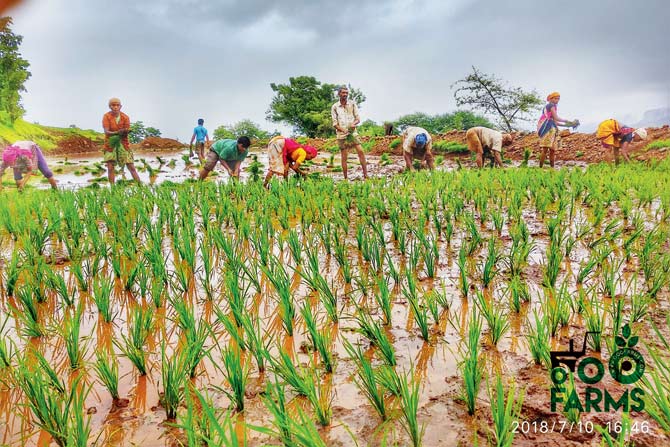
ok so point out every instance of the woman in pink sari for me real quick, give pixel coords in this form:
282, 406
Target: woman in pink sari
23, 157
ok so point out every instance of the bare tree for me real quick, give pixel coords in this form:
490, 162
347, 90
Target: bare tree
490, 95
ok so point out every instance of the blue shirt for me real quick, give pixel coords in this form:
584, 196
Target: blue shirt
200, 133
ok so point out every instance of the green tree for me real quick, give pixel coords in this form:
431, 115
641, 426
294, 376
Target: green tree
459, 120
139, 132
244, 127
370, 128
304, 104
493, 97
13, 72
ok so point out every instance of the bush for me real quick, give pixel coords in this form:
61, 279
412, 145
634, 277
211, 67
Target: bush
370, 129
450, 147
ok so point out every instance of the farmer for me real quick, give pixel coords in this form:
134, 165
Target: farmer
285, 153
117, 148
231, 154
615, 136
483, 141
23, 157
417, 143
345, 119
200, 136
547, 128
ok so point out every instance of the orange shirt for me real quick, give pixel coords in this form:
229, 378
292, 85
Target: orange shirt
109, 123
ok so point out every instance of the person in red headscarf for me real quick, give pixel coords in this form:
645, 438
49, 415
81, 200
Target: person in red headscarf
285, 153
24, 157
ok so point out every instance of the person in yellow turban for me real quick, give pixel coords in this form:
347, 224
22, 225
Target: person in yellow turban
547, 129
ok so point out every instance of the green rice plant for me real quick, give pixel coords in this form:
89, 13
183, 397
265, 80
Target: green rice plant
284, 368
255, 341
175, 376
610, 277
489, 269
140, 325
12, 271
205, 426
237, 375
572, 414
552, 310
70, 333
78, 272
471, 365
295, 245
409, 406
586, 269
321, 339
595, 322
616, 313
552, 267
505, 409
137, 356
320, 398
538, 340
388, 379
419, 312
157, 293
394, 272
622, 431
496, 319
475, 236
366, 380
61, 414
29, 314
275, 401
107, 369
231, 327
102, 293
657, 391
57, 283
518, 293
277, 275
463, 271
328, 297
374, 332
639, 306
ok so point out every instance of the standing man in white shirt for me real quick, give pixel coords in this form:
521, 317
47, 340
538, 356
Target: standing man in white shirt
417, 143
345, 119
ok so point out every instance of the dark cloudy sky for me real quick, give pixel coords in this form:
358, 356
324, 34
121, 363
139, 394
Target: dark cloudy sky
172, 61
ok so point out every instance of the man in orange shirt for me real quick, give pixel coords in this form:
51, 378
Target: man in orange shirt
117, 148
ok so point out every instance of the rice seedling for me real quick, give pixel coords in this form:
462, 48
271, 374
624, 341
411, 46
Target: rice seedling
236, 374
394, 272
518, 293
70, 333
376, 335
610, 277
622, 430
463, 270
319, 396
204, 425
639, 306
495, 317
471, 365
107, 369
277, 275
284, 368
102, 293
366, 380
552, 267
57, 283
29, 314
586, 269
505, 409
489, 270
573, 413
295, 245
595, 322
409, 405
321, 339
657, 391
12, 272
174, 376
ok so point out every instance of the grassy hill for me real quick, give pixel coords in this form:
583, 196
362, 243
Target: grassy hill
47, 137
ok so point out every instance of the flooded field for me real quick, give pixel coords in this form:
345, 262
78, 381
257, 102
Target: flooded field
405, 310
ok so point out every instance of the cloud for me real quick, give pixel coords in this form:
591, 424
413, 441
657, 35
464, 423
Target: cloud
172, 61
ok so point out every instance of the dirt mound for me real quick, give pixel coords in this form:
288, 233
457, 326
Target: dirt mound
76, 144
574, 146
160, 143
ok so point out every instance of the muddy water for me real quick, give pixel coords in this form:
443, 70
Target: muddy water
142, 421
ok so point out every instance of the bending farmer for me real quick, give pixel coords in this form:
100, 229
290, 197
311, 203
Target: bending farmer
23, 157
231, 154
417, 143
618, 137
285, 153
483, 141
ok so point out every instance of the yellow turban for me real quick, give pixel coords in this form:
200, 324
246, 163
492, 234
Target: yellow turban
553, 95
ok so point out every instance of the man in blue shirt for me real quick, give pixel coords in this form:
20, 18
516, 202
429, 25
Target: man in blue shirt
200, 136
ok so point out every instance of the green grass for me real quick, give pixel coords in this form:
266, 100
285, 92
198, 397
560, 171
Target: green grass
449, 147
658, 144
